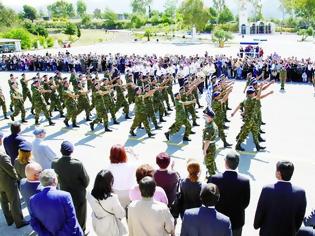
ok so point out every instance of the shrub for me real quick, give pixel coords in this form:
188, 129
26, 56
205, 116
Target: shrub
220, 36
50, 42
305, 33
22, 34
208, 28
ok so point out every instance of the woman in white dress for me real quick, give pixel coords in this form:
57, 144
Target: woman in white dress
107, 210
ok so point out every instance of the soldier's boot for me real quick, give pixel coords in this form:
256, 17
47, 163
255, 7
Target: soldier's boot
140, 126
50, 114
225, 127
11, 108
88, 118
226, 120
227, 145
107, 129
195, 124
186, 139
62, 115
36, 122
192, 132
169, 109
260, 139
50, 122
261, 131
239, 147
32, 111
24, 121
166, 113
56, 109
151, 135
228, 108
167, 135
161, 119
132, 133
156, 126
199, 106
12, 117
92, 126
6, 117
127, 117
259, 148
66, 123
115, 122
237, 136
74, 125
263, 123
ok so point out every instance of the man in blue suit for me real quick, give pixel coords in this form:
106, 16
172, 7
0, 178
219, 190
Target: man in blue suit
205, 220
52, 210
281, 206
234, 192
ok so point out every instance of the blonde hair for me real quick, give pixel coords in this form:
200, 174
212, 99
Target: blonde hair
24, 157
193, 168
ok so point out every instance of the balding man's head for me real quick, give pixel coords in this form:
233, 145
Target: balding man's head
32, 171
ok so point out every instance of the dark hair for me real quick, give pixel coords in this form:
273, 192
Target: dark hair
163, 160
102, 188
286, 169
209, 195
232, 160
147, 186
118, 154
193, 168
15, 128
143, 171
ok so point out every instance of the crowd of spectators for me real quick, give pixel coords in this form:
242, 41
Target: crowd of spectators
298, 70
131, 198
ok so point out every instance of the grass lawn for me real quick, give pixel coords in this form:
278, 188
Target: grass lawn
88, 37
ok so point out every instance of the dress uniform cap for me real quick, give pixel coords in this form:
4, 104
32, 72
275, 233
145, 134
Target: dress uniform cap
38, 131
66, 148
209, 112
25, 146
216, 94
250, 90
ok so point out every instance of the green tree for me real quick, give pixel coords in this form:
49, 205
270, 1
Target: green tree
305, 33
137, 21
71, 29
86, 20
61, 8
22, 34
213, 15
110, 18
170, 7
305, 9
81, 8
8, 17
78, 31
148, 33
140, 6
97, 13
29, 12
220, 36
219, 5
194, 14
225, 15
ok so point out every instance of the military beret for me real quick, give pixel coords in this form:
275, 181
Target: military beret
45, 76
250, 90
138, 89
186, 83
215, 85
11, 75
66, 148
254, 82
65, 78
51, 78
213, 77
176, 94
209, 112
216, 94
181, 88
221, 76
25, 146
105, 78
147, 86
38, 131
23, 74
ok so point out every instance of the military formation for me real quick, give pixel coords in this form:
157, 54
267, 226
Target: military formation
100, 99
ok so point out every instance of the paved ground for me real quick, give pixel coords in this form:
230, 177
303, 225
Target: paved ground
289, 133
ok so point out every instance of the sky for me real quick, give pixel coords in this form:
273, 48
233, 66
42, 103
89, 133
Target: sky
270, 7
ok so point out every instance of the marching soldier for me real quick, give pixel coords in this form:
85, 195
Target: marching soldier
121, 100
39, 102
71, 105
55, 102
181, 119
148, 102
3, 105
46, 86
83, 100
26, 91
210, 134
17, 103
108, 100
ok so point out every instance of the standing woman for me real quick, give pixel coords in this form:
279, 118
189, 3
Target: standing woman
105, 205
24, 158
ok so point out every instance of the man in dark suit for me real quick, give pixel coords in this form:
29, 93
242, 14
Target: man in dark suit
12, 143
205, 220
9, 195
52, 210
281, 206
234, 192
74, 179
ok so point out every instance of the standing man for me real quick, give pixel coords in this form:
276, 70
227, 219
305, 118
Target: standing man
148, 216
281, 206
205, 220
41, 151
210, 134
52, 210
74, 179
9, 195
234, 192
12, 142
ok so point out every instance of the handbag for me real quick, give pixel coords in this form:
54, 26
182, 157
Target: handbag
121, 227
177, 204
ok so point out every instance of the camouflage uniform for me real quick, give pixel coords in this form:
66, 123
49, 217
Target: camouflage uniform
39, 105
25, 90
170, 90
217, 107
282, 77
158, 104
55, 103
121, 100
148, 102
18, 105
210, 133
140, 115
190, 109
109, 103
130, 91
73, 80
46, 86
83, 103
60, 90
71, 106
181, 119
2, 104
101, 112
